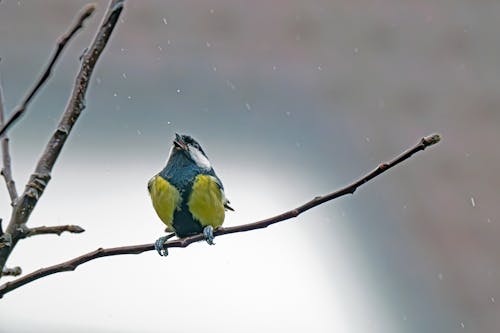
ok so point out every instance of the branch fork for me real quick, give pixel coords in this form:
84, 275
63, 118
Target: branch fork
26, 202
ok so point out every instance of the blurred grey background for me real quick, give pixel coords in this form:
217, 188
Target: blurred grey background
290, 99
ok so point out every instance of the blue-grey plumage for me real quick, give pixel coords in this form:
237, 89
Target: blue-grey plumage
187, 194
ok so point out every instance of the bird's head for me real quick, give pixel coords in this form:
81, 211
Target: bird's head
186, 146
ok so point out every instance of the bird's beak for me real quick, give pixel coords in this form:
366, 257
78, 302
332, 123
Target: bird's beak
179, 143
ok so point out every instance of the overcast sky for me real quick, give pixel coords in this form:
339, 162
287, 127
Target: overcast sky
289, 100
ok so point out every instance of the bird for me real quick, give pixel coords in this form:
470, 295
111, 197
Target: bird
187, 195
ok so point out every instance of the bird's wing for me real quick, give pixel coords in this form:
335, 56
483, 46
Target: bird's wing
225, 201
166, 199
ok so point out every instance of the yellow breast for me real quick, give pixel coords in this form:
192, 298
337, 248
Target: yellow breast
206, 202
166, 199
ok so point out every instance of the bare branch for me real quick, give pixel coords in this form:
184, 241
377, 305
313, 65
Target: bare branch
54, 230
42, 174
72, 264
63, 40
14, 271
4, 239
6, 170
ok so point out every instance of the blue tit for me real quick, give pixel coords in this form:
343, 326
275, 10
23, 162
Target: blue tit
187, 194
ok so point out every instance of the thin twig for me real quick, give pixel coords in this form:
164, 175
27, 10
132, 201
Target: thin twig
54, 230
7, 169
63, 40
72, 264
42, 174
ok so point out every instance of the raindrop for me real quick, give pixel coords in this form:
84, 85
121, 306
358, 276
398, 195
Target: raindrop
168, 122
405, 318
275, 68
129, 97
492, 300
115, 94
440, 276
231, 85
462, 324
214, 69
488, 220
248, 106
164, 20
212, 11
320, 68
356, 50
139, 132
160, 48
122, 50
472, 202
124, 75
367, 139
208, 44
288, 113
168, 42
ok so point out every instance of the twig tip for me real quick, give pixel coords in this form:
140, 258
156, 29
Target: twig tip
77, 229
89, 9
14, 271
118, 5
431, 139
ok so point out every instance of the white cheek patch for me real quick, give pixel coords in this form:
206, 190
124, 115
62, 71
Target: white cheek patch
198, 157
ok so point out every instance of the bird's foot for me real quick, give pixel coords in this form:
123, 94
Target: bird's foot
160, 245
208, 232
162, 251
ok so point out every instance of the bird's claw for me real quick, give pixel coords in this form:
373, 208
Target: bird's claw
160, 246
208, 233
